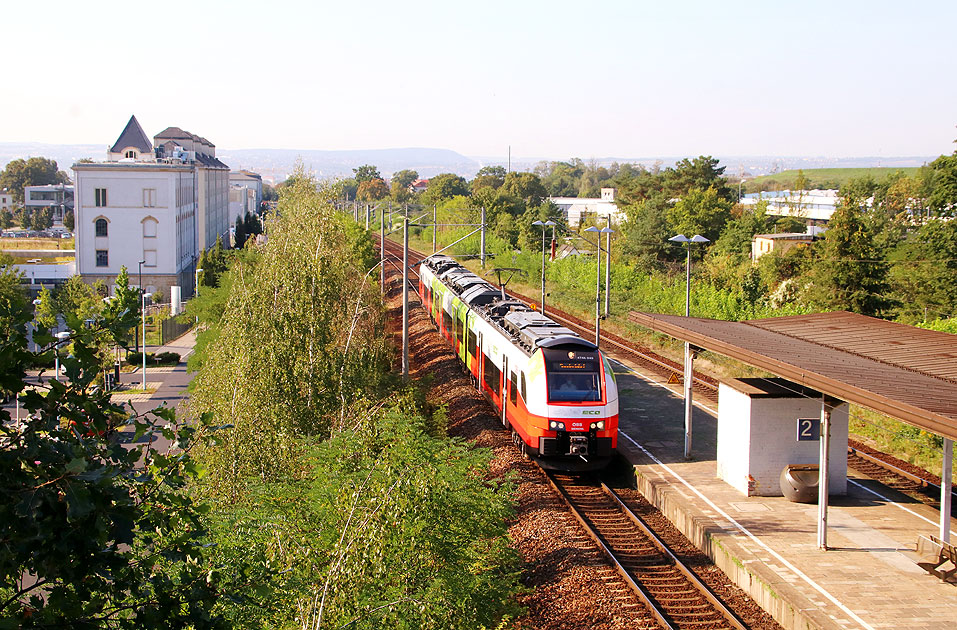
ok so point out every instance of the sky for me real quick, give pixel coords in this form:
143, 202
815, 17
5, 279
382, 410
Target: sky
550, 79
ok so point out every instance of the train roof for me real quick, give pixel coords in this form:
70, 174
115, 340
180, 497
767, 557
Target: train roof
528, 328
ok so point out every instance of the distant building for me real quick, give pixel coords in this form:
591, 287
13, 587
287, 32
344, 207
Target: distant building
577, 209
59, 197
242, 201
762, 244
6, 201
159, 202
812, 205
246, 179
419, 185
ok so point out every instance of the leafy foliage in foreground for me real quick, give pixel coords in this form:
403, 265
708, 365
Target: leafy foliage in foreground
300, 338
389, 526
96, 534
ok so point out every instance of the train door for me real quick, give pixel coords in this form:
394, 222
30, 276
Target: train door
504, 380
479, 358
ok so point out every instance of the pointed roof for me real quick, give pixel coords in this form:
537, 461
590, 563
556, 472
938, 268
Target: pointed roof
133, 136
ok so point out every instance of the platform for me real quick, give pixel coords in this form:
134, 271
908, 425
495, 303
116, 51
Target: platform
768, 545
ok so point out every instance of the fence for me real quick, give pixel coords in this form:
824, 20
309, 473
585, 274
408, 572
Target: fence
171, 329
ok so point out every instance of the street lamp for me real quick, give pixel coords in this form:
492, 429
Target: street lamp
689, 354
143, 313
544, 227
609, 231
61, 337
607, 263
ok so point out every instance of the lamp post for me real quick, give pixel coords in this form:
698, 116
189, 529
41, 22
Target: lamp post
61, 337
604, 230
689, 354
143, 313
607, 263
544, 227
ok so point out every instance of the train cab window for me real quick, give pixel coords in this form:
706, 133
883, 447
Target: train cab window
491, 374
473, 342
513, 389
573, 375
524, 395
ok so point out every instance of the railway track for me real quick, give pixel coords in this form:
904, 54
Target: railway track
918, 484
676, 597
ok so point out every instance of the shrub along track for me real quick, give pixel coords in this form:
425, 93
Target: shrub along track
571, 584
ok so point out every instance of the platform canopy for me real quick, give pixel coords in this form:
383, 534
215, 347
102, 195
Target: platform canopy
905, 372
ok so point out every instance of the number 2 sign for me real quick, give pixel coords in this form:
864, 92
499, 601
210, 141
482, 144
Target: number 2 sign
808, 429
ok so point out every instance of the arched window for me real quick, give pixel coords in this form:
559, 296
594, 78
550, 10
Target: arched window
101, 227
149, 227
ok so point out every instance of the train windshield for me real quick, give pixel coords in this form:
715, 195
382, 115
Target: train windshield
573, 375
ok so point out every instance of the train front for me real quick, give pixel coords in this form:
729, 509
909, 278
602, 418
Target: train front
575, 387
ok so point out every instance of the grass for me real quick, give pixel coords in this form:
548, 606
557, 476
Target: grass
35, 243
820, 177
897, 438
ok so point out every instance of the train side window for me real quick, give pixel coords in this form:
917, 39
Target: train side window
513, 389
446, 321
491, 374
459, 331
473, 342
524, 396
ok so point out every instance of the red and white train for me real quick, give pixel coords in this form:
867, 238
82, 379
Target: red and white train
555, 390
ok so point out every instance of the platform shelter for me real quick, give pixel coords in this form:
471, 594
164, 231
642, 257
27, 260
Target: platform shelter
904, 372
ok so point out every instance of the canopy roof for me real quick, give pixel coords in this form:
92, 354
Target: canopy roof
905, 372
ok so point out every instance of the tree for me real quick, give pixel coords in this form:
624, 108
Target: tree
366, 173
700, 212
525, 186
488, 177
239, 232
851, 269
400, 185
14, 305
69, 221
702, 173
213, 263
445, 186
924, 273
372, 190
95, 534
942, 180
36, 171
125, 299
6, 219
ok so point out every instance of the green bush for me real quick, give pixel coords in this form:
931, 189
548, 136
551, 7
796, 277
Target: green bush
163, 358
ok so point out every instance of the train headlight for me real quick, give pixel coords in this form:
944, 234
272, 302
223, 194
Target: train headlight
601, 425
556, 426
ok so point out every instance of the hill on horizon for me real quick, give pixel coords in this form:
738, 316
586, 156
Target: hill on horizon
276, 164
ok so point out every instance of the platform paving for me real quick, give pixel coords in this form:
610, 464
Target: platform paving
767, 545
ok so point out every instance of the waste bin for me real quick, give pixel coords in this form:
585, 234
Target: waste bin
799, 483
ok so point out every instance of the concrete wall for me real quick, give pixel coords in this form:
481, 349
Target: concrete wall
757, 438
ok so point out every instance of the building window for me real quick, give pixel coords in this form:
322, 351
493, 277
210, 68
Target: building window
100, 194
149, 197
131, 154
149, 256
102, 258
101, 227
149, 228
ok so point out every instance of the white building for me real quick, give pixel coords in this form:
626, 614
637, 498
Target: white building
813, 205
158, 205
242, 201
6, 201
576, 209
59, 197
247, 179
